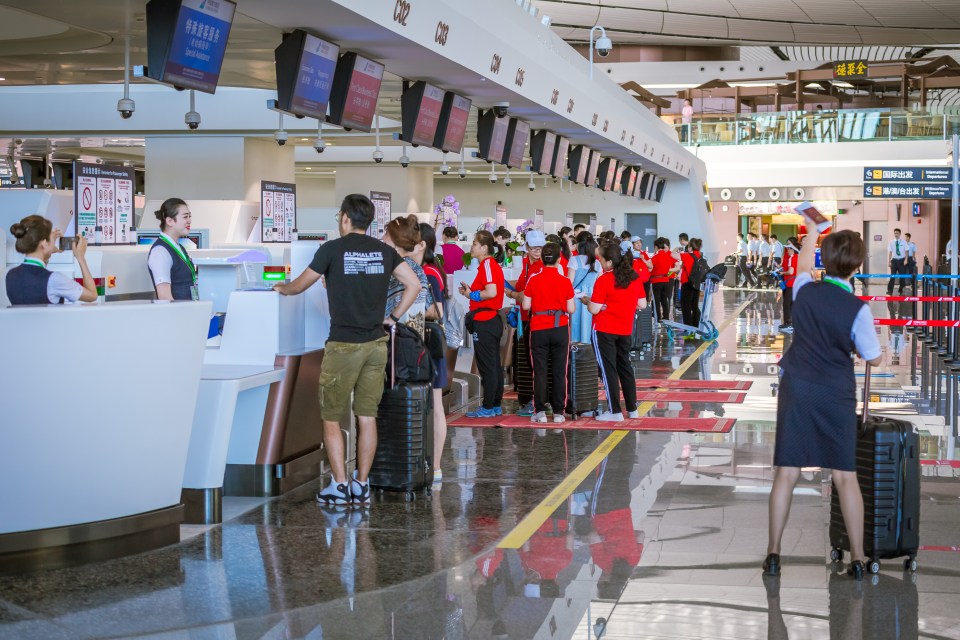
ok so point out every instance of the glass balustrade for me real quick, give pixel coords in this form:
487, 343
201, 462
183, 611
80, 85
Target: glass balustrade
800, 127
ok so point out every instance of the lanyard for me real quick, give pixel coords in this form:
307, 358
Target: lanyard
839, 283
34, 262
183, 256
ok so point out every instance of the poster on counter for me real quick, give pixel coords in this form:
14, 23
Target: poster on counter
382, 211
103, 197
613, 224
593, 223
568, 221
278, 211
538, 219
501, 219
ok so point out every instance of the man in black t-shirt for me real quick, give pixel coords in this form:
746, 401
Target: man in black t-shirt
356, 269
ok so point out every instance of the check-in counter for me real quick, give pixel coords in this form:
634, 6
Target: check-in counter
96, 427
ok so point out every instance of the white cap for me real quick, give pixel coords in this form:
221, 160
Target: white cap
626, 247
635, 239
535, 238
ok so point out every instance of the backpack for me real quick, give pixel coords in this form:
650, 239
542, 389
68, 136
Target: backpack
408, 359
698, 272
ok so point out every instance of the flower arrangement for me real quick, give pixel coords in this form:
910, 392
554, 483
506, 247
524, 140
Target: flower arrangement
524, 226
446, 213
487, 225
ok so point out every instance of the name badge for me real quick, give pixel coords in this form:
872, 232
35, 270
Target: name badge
194, 293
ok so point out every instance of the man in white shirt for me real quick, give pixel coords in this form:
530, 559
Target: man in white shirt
744, 277
754, 254
911, 254
766, 250
777, 249
897, 256
949, 251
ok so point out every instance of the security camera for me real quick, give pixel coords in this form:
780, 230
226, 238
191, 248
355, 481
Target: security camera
280, 136
319, 145
192, 118
378, 156
404, 161
492, 177
507, 181
444, 168
500, 109
126, 107
603, 46
463, 173
531, 185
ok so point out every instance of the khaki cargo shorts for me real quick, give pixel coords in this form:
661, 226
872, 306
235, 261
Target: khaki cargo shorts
357, 368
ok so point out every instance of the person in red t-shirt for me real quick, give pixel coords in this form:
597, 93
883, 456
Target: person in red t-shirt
532, 265
789, 274
665, 268
549, 299
689, 294
617, 294
486, 298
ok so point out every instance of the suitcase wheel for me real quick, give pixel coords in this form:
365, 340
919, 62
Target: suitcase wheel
910, 564
409, 496
873, 566
836, 554
874, 579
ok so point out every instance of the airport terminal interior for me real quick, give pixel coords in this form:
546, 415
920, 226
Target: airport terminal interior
163, 465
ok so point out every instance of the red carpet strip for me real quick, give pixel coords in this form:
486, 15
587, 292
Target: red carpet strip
698, 425
690, 396
695, 385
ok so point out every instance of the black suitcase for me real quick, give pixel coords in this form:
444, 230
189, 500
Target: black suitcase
642, 329
583, 380
522, 371
888, 471
404, 437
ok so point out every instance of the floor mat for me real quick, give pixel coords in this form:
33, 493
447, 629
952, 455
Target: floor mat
691, 396
699, 425
695, 385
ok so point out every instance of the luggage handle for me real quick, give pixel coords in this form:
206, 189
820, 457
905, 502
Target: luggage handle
393, 355
866, 397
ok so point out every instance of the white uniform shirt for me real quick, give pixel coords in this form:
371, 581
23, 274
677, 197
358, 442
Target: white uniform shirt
898, 249
949, 249
765, 249
60, 285
754, 247
743, 248
777, 249
911, 249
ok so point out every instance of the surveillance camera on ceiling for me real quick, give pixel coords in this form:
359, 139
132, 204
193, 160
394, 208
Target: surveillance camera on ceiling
531, 185
378, 156
774, 194
603, 46
126, 107
492, 177
404, 161
444, 168
280, 136
799, 193
319, 145
462, 173
500, 109
192, 118
726, 194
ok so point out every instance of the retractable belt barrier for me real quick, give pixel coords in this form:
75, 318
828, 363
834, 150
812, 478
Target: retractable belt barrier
910, 298
898, 322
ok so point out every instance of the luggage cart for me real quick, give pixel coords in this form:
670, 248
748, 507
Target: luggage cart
707, 329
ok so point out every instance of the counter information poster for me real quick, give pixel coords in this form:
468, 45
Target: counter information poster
569, 220
501, 219
103, 197
538, 219
382, 210
278, 211
593, 223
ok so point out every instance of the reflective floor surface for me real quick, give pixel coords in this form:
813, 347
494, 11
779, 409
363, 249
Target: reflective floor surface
662, 538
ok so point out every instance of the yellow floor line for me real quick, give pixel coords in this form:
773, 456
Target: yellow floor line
535, 519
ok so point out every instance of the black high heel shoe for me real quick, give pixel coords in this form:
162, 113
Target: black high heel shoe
856, 570
771, 565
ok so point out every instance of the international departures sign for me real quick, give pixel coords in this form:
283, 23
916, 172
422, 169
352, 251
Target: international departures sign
850, 69
924, 183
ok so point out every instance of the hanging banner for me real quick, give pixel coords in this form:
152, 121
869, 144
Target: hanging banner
103, 197
382, 211
538, 219
501, 218
278, 211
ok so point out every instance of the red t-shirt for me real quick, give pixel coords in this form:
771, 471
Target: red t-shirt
526, 273
549, 290
431, 270
687, 258
548, 554
618, 317
663, 261
641, 268
489, 272
790, 262
619, 539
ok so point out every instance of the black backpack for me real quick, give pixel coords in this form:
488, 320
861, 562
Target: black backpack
698, 272
408, 359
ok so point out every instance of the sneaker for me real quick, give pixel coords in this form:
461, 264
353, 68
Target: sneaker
610, 417
359, 491
482, 413
558, 418
526, 410
539, 416
633, 415
335, 493
335, 515
498, 411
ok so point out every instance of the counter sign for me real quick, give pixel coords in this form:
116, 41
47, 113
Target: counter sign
103, 197
278, 211
850, 69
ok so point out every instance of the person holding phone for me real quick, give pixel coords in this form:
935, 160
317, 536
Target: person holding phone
32, 282
172, 271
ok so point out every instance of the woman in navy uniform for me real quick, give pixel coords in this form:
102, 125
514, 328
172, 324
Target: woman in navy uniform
817, 404
32, 282
173, 274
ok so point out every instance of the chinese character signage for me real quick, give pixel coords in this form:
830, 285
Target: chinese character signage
198, 43
907, 174
278, 211
923, 191
103, 197
925, 183
850, 69
382, 210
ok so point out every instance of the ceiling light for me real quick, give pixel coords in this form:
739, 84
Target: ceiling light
307, 168
2, 79
304, 139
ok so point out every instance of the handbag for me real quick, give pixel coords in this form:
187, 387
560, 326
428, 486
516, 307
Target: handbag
434, 336
453, 325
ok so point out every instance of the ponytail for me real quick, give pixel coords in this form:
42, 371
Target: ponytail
623, 273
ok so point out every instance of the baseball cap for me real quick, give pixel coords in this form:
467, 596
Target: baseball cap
635, 239
535, 238
626, 247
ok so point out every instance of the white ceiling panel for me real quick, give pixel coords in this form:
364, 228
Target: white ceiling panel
565, 13
760, 31
828, 34
632, 20
690, 25
655, 5
704, 7
778, 10
834, 12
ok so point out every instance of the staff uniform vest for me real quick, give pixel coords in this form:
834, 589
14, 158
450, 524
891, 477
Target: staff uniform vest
181, 278
27, 284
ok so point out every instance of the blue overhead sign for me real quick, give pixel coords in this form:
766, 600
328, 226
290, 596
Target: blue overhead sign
919, 190
908, 174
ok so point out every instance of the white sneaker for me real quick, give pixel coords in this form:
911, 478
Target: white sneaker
558, 418
633, 415
540, 416
610, 417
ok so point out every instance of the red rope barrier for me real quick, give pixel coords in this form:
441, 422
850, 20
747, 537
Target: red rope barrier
897, 322
910, 298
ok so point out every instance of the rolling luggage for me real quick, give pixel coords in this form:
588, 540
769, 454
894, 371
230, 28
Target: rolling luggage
642, 329
522, 371
404, 437
888, 471
583, 380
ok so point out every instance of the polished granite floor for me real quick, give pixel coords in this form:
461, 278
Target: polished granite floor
662, 539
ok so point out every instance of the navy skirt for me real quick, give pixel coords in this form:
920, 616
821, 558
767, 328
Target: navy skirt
816, 426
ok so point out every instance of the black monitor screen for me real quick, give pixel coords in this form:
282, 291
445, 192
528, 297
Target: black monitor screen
594, 169
491, 136
542, 146
356, 88
305, 68
516, 145
559, 166
578, 159
453, 123
420, 107
186, 41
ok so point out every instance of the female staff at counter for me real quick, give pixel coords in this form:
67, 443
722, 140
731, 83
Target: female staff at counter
173, 274
31, 282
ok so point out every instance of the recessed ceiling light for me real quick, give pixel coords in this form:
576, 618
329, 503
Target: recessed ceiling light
2, 79
334, 171
304, 139
308, 168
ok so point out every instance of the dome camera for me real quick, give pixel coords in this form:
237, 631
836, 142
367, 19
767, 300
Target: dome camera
603, 46
500, 109
404, 161
507, 181
531, 185
463, 173
192, 118
378, 156
492, 178
319, 145
126, 107
444, 168
280, 136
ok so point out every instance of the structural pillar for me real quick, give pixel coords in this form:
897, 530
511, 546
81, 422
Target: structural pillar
410, 189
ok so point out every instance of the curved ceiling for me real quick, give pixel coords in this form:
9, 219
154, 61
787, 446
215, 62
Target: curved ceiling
850, 22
